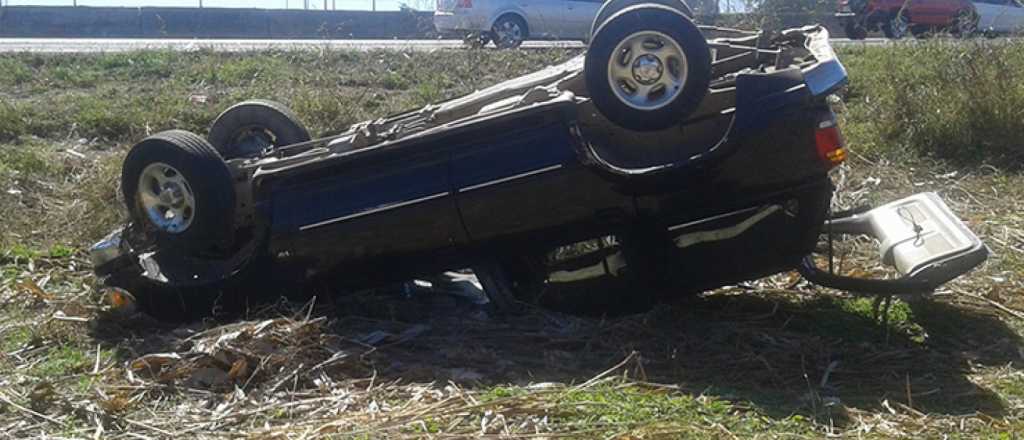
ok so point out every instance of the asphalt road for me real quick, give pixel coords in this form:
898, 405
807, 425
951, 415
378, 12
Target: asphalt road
74, 45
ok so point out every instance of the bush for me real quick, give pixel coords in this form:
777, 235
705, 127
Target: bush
962, 102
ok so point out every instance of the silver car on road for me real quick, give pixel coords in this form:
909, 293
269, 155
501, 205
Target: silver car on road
509, 22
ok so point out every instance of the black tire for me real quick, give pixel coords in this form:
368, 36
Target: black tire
855, 31
892, 29
249, 128
509, 31
211, 224
611, 7
650, 18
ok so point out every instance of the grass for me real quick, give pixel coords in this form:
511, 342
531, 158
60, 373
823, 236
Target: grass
948, 101
763, 359
122, 96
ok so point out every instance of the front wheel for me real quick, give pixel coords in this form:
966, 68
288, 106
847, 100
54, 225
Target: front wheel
648, 67
509, 32
179, 190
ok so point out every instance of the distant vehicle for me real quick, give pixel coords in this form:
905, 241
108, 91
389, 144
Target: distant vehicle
897, 18
1000, 16
510, 22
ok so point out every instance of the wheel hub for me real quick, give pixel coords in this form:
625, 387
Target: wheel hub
252, 141
647, 69
172, 194
166, 198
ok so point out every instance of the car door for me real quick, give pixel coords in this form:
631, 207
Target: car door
519, 181
930, 12
989, 12
542, 16
387, 202
578, 16
1010, 18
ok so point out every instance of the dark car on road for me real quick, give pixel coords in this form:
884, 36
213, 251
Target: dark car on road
666, 158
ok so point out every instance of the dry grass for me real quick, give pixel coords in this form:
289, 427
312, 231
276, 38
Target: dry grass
776, 358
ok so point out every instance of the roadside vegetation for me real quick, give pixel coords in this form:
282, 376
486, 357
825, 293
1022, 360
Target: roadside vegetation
774, 358
959, 102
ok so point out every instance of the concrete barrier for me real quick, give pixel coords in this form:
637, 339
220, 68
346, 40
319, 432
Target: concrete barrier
90, 22
168, 23
70, 22
153, 22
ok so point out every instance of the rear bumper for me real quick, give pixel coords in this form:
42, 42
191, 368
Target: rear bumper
919, 236
451, 22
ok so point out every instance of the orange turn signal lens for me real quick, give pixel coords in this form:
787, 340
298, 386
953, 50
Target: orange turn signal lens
830, 143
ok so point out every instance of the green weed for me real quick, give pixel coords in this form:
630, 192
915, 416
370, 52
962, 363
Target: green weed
960, 102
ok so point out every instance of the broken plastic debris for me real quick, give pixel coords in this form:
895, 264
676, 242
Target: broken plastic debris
154, 361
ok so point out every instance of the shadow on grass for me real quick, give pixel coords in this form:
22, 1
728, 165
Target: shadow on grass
770, 351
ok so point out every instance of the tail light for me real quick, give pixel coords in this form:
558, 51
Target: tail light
829, 141
464, 4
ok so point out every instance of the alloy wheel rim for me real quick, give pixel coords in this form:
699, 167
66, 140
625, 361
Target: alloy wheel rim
510, 32
166, 197
647, 70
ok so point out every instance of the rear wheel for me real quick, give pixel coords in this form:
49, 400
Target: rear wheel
251, 128
178, 188
509, 32
648, 67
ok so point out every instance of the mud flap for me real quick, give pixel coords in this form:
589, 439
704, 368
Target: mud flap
918, 235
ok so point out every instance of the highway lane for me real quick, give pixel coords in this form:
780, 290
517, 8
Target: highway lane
80, 45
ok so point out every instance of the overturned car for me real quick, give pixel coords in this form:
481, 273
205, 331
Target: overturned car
666, 155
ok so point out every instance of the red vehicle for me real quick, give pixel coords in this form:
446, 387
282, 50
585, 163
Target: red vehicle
896, 18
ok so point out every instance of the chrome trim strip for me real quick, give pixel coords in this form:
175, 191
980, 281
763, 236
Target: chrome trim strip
712, 218
374, 211
506, 179
687, 240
